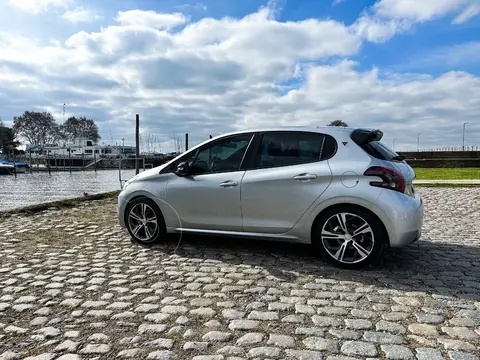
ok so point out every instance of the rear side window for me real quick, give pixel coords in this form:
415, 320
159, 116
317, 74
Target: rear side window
291, 148
379, 150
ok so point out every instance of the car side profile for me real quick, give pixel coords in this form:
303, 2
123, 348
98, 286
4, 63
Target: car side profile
340, 189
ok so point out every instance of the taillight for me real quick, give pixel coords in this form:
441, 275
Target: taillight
390, 178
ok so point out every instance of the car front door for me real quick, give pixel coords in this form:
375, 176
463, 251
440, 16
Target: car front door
289, 174
209, 197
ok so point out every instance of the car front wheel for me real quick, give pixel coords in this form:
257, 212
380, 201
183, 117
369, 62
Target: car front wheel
144, 221
349, 237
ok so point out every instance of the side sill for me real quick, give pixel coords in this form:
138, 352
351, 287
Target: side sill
254, 235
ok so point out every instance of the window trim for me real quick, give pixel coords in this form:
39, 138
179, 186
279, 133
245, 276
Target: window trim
171, 167
254, 157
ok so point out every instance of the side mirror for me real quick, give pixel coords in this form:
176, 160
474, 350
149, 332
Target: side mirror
182, 169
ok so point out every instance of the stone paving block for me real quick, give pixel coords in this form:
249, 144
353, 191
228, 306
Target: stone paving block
82, 290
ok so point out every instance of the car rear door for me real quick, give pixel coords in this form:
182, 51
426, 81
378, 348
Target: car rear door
288, 173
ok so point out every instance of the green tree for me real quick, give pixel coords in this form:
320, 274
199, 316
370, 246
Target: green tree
80, 127
338, 123
38, 128
8, 143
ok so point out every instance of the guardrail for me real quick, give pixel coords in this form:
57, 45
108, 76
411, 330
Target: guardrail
120, 169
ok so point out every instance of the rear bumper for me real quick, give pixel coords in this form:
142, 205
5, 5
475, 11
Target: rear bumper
406, 217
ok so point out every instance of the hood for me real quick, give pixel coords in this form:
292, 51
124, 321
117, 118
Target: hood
147, 174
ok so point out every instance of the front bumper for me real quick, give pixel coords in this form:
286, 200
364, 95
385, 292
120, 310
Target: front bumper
121, 205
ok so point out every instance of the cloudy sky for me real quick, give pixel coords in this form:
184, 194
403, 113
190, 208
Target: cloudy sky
208, 67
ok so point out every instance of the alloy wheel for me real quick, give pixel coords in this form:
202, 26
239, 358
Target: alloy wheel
143, 222
348, 238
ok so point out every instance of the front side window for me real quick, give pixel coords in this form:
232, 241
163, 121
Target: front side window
284, 149
219, 156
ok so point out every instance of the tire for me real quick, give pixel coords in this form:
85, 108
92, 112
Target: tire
144, 232
350, 252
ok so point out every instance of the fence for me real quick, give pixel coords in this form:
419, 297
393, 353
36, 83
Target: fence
438, 149
443, 159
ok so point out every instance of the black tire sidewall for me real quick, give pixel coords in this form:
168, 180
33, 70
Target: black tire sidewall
378, 233
161, 230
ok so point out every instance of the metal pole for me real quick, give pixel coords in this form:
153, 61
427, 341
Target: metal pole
464, 124
418, 141
393, 147
186, 141
48, 164
94, 160
14, 165
137, 143
70, 159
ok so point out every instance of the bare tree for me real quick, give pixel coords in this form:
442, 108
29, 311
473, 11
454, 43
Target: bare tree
38, 128
338, 123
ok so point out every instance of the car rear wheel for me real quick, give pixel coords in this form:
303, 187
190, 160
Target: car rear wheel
349, 237
144, 221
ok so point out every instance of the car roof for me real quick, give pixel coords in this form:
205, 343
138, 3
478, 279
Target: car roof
320, 129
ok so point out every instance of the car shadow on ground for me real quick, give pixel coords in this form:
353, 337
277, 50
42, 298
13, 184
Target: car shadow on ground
434, 267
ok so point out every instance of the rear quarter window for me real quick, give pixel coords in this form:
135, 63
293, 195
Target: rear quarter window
329, 147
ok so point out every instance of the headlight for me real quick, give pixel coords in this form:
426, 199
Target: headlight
129, 181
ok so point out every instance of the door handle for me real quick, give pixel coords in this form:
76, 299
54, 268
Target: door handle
229, 183
304, 177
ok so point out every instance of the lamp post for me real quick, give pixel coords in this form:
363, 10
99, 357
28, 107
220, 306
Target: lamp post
464, 124
418, 141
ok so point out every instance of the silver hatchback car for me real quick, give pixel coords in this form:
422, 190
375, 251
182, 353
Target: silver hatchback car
340, 189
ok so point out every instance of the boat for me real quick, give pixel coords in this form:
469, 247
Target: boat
6, 169
20, 166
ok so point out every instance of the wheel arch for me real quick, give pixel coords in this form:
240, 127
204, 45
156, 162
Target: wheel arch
140, 196
360, 207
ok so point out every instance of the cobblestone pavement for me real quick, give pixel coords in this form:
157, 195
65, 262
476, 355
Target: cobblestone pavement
72, 286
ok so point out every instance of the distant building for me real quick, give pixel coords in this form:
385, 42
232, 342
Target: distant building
82, 147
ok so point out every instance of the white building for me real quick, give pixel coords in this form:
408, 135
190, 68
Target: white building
81, 147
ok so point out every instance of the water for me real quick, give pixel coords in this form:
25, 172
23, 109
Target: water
39, 187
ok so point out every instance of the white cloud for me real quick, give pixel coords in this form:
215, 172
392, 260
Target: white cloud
378, 30
389, 17
151, 19
470, 12
418, 10
39, 6
80, 14
215, 75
